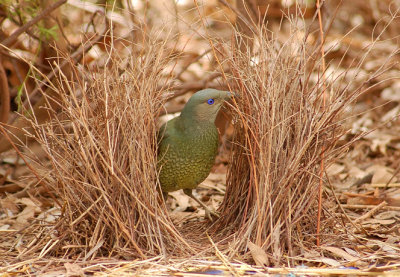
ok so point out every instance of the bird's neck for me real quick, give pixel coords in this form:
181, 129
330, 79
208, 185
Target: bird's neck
191, 125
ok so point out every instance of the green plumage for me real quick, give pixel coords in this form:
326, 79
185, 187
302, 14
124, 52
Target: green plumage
188, 144
186, 156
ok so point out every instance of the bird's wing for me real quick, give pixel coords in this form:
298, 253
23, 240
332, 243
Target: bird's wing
167, 134
167, 130
162, 133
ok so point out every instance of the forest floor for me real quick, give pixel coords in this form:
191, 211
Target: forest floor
361, 194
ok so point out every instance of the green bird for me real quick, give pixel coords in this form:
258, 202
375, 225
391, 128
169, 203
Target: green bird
188, 144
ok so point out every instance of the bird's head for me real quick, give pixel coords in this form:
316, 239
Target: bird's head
204, 105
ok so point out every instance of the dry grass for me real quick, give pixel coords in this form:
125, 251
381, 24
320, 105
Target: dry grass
102, 152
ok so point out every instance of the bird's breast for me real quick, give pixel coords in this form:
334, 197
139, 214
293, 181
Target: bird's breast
187, 159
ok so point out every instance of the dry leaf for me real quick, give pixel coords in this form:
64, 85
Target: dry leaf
182, 200
351, 252
26, 214
277, 251
4, 227
328, 261
357, 173
56, 273
258, 254
391, 93
382, 174
380, 143
27, 202
73, 270
217, 177
50, 216
388, 215
9, 205
339, 253
362, 199
334, 169
392, 113
23, 217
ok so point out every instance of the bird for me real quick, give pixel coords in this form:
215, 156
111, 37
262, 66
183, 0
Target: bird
188, 144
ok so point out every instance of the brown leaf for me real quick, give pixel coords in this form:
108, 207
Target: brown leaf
339, 253
10, 188
388, 215
9, 205
382, 174
277, 251
258, 254
357, 173
73, 270
334, 169
27, 213
23, 217
182, 200
328, 261
360, 199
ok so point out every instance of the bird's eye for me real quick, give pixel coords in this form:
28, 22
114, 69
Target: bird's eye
210, 101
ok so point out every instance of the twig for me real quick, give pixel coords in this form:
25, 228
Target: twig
393, 175
11, 39
5, 94
222, 257
356, 207
388, 185
371, 212
323, 108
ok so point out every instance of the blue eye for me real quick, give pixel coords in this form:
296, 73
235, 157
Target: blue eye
210, 101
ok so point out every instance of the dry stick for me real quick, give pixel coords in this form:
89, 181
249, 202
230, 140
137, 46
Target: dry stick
28, 32
371, 212
391, 178
223, 259
323, 41
357, 207
5, 94
387, 185
323, 108
11, 39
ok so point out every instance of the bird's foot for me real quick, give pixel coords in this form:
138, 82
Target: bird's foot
211, 214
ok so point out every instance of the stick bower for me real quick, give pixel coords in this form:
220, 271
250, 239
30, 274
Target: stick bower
283, 134
102, 152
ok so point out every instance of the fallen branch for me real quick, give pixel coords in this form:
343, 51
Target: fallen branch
11, 39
